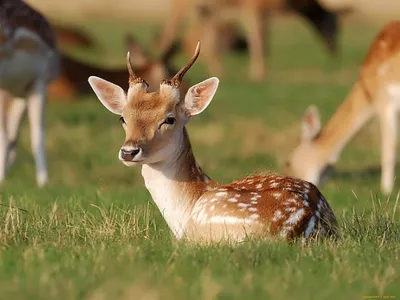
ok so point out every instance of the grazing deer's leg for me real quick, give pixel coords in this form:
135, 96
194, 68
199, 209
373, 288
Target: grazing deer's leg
36, 111
212, 53
14, 119
387, 114
253, 25
170, 31
3, 135
266, 34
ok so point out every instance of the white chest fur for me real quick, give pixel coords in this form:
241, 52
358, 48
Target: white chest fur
168, 197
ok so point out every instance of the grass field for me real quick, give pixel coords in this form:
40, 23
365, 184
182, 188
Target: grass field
95, 234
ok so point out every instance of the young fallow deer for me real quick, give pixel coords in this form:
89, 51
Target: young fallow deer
376, 93
29, 60
194, 206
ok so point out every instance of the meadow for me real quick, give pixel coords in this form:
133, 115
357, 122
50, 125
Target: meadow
94, 233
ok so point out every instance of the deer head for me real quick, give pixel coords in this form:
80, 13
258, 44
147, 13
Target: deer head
154, 121
307, 161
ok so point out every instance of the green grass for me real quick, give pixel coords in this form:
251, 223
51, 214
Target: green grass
95, 234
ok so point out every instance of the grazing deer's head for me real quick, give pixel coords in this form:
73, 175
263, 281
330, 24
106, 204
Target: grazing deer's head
305, 161
153, 69
153, 121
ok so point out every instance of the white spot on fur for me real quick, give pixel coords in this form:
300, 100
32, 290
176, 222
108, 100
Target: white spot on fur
233, 200
221, 194
237, 195
252, 209
212, 208
214, 200
291, 200
295, 217
259, 186
254, 216
277, 216
290, 209
230, 220
319, 205
273, 184
243, 204
310, 227
277, 195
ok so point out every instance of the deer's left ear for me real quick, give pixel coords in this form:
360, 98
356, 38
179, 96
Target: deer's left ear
311, 123
110, 95
200, 95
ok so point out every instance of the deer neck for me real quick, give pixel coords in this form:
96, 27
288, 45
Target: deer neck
175, 185
350, 117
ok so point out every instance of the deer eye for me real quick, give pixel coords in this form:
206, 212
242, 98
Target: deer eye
168, 121
122, 120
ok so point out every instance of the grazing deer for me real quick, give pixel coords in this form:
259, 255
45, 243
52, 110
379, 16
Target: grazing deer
194, 206
29, 60
73, 79
209, 16
376, 93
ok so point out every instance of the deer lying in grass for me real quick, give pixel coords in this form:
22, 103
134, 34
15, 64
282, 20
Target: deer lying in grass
376, 93
194, 206
73, 79
29, 60
209, 16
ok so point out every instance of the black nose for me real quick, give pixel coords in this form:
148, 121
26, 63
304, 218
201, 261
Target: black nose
130, 154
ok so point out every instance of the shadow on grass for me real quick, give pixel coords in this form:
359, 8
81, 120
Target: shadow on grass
371, 172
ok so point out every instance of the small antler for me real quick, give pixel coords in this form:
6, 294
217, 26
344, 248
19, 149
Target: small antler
177, 79
133, 78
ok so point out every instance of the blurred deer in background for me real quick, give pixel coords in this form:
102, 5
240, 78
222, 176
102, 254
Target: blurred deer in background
29, 60
67, 36
195, 207
73, 79
376, 93
209, 17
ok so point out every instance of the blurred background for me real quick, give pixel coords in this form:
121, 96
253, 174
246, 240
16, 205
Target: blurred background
312, 52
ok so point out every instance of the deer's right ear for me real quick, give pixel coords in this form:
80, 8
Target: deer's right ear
311, 124
110, 95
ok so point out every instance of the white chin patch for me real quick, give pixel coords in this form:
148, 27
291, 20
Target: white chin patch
129, 163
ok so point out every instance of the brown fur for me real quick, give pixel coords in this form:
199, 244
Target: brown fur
385, 45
